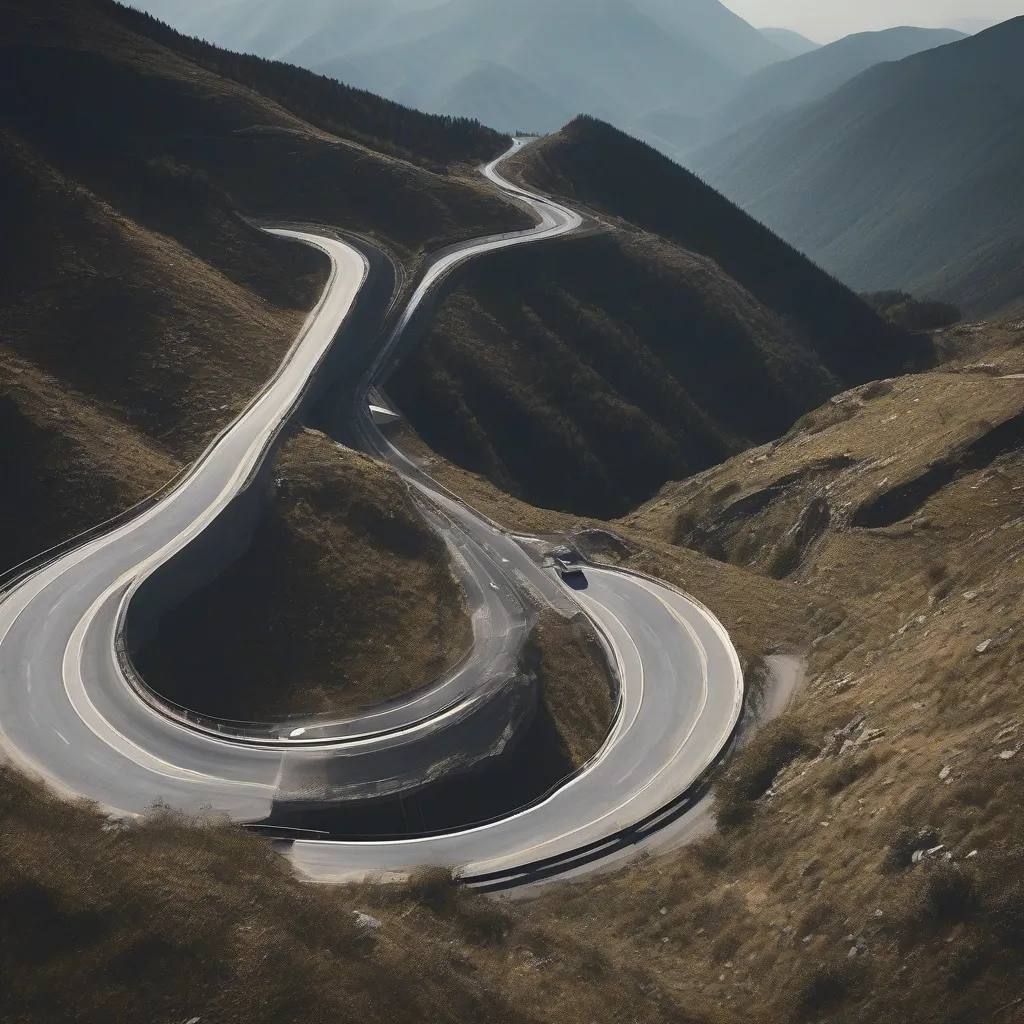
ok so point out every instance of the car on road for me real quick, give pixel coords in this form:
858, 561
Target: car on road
570, 573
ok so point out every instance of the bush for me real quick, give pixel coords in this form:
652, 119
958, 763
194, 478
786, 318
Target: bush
754, 770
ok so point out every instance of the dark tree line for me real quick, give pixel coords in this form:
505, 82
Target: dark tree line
355, 114
914, 314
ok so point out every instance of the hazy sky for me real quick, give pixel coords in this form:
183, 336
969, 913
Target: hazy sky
825, 20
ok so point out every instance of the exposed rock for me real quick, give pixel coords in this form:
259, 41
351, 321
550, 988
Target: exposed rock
994, 642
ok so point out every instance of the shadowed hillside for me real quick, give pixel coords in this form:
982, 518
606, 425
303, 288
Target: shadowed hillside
906, 177
620, 176
581, 376
121, 112
249, 647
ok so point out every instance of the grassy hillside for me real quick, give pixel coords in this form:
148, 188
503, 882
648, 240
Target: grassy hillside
757, 921
754, 923
296, 626
900, 501
581, 376
903, 178
128, 117
880, 539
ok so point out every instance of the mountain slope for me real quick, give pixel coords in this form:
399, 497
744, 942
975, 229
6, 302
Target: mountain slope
497, 95
788, 84
620, 60
813, 75
725, 35
582, 375
792, 42
339, 109
905, 177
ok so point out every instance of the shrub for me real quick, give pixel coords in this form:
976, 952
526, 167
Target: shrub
755, 768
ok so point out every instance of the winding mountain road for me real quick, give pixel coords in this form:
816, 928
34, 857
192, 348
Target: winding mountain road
73, 712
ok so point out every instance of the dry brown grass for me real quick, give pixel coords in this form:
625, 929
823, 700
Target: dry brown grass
345, 599
755, 510
989, 347
171, 920
905, 738
133, 321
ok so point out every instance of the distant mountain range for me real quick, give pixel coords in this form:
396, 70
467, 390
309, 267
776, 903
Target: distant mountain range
908, 176
677, 73
788, 84
528, 64
792, 42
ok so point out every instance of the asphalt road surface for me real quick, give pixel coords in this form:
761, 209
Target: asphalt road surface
70, 714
